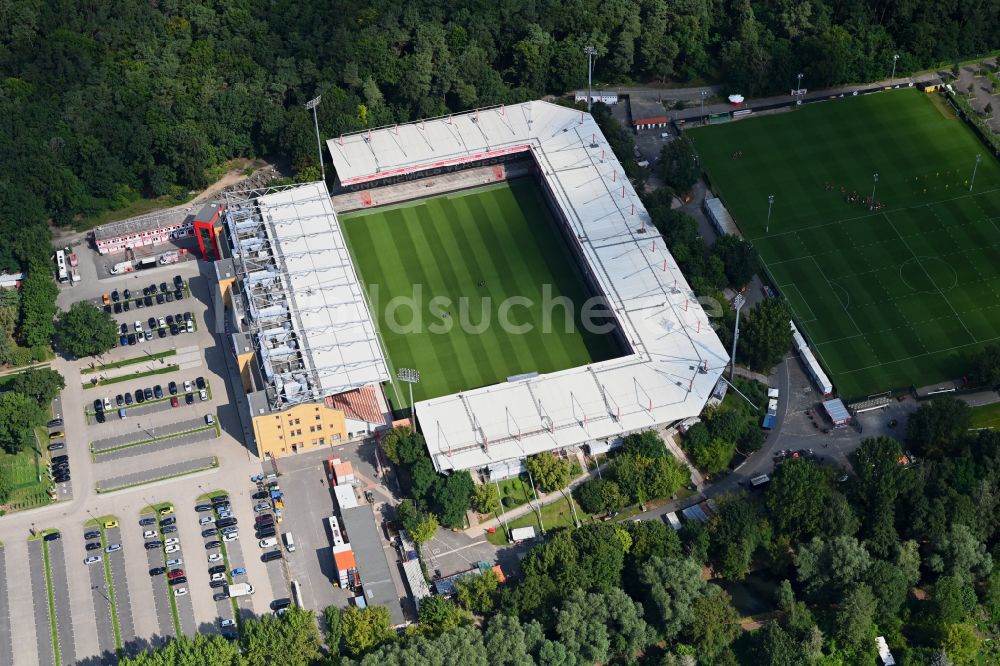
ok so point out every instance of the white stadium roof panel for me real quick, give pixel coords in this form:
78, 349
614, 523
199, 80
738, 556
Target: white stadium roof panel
320, 300
676, 357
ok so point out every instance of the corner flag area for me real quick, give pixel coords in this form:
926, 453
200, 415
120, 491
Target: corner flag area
892, 289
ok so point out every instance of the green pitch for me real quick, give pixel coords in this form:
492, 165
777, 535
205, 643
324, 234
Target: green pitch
480, 247
889, 298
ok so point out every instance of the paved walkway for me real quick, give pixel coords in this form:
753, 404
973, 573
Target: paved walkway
146, 476
147, 434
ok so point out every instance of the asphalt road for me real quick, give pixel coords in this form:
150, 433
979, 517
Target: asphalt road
149, 475
148, 433
6, 644
119, 578
60, 592
102, 615
40, 601
223, 607
159, 446
161, 591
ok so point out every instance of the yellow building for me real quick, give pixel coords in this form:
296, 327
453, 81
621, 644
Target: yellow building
299, 428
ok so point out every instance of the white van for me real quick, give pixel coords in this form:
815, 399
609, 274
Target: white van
267, 543
289, 542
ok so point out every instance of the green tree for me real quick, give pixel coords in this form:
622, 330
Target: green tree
737, 531
332, 629
647, 443
424, 480
550, 471
952, 601
937, 427
960, 553
797, 497
679, 166
600, 496
182, 651
438, 615
19, 414
38, 307
476, 593
595, 627
672, 585
425, 529
767, 335
829, 567
714, 456
716, 624
739, 257
773, 646
84, 330
452, 498
962, 643
366, 628
391, 440
290, 639
485, 498
40, 384
854, 625
986, 365
506, 642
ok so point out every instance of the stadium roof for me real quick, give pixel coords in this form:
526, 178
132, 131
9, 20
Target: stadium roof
308, 317
676, 358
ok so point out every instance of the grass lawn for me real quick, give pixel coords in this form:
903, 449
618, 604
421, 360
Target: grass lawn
890, 298
476, 249
24, 471
555, 515
986, 416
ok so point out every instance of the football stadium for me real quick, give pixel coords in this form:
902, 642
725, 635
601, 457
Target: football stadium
884, 234
465, 230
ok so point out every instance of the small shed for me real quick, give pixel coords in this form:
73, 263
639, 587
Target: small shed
883, 652
519, 534
674, 521
652, 122
837, 412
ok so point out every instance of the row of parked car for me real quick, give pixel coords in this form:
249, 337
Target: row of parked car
92, 539
122, 302
182, 323
125, 400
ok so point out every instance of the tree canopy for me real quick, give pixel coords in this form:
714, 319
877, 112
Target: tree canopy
84, 330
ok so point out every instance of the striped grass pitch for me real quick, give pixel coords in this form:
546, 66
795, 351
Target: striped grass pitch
485, 246
890, 298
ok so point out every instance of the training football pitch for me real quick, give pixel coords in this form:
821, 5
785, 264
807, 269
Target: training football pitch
472, 251
889, 298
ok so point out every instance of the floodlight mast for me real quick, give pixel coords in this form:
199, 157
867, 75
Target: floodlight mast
411, 377
770, 203
737, 304
591, 52
895, 59
979, 158
874, 185
798, 90
312, 104
704, 94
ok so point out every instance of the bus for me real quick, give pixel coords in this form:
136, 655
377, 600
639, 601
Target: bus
61, 270
296, 593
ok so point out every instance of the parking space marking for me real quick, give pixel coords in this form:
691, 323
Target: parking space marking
6, 644
60, 592
149, 475
40, 604
161, 600
119, 578
102, 615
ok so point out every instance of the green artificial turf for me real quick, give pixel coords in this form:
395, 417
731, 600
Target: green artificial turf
889, 299
446, 246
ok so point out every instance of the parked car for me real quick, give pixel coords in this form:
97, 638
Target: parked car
217, 583
158, 391
180, 580
232, 536
202, 508
172, 541
92, 534
113, 548
169, 529
270, 556
56, 446
53, 536
267, 543
203, 394
147, 521
172, 388
180, 591
215, 557
153, 545
189, 398
171, 549
148, 393
220, 596
200, 382
128, 400
175, 562
238, 571
149, 534
94, 545
110, 524
157, 571
174, 402
212, 544
93, 559
206, 520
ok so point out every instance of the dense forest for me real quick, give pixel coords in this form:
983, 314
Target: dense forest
103, 102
